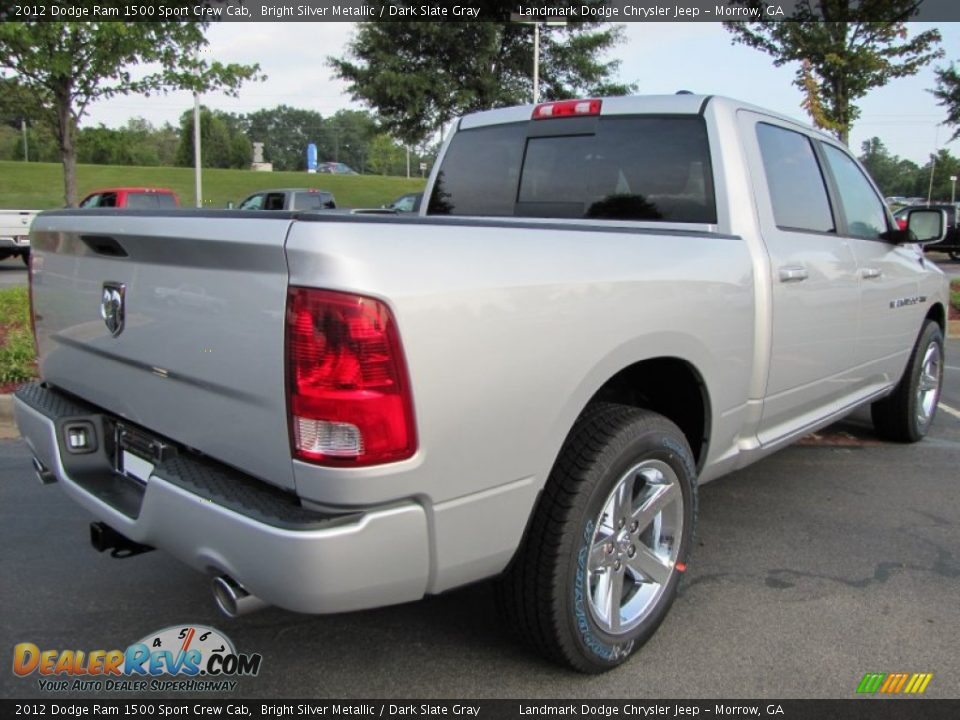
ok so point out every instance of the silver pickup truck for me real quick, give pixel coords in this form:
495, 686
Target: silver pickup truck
15, 233
601, 304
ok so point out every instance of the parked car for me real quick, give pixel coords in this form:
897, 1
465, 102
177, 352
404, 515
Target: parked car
15, 233
133, 198
290, 199
951, 242
409, 203
606, 304
336, 168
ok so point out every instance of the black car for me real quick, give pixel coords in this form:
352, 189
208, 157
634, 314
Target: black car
951, 242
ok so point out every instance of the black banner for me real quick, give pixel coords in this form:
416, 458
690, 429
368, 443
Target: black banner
472, 10
876, 709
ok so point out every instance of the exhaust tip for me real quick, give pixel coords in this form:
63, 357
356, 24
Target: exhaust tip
225, 596
233, 599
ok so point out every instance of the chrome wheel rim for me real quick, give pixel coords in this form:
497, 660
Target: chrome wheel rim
634, 548
928, 387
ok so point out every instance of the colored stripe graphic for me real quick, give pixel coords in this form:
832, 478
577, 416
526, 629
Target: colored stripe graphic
871, 682
894, 683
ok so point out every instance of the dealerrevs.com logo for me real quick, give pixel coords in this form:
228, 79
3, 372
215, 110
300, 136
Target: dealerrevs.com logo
190, 658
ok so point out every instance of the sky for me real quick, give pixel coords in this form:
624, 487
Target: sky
659, 57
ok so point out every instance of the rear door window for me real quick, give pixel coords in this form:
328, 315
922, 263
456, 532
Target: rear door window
629, 168
797, 188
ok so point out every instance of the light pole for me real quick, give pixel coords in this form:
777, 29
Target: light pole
26, 152
953, 189
525, 20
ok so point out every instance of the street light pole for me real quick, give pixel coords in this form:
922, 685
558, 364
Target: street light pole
26, 152
551, 21
198, 185
536, 63
953, 189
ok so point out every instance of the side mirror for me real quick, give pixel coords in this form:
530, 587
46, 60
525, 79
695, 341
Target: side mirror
927, 225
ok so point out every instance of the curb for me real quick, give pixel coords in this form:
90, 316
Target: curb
6, 408
953, 329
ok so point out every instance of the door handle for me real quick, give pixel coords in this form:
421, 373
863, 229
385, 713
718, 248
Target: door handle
871, 273
793, 273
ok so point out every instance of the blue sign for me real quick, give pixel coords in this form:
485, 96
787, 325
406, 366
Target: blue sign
311, 158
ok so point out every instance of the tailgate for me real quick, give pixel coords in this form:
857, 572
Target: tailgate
199, 357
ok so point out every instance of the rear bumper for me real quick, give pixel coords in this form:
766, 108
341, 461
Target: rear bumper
19, 243
221, 521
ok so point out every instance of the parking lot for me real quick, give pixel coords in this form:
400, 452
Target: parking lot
830, 559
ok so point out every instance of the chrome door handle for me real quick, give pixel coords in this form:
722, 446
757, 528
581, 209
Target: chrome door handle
870, 273
793, 273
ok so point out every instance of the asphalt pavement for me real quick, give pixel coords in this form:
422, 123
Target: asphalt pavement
830, 559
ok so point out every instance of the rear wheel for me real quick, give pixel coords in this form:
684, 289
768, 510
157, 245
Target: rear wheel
599, 568
907, 414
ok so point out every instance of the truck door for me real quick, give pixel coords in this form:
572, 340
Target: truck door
814, 282
890, 309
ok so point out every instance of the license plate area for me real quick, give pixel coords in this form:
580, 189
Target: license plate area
137, 453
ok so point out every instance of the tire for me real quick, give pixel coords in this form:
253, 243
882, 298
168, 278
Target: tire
560, 593
4, 254
26, 258
954, 254
907, 414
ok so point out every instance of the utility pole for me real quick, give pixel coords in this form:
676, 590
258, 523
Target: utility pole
550, 21
26, 152
198, 184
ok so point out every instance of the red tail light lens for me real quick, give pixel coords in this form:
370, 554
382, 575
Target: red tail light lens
349, 396
567, 108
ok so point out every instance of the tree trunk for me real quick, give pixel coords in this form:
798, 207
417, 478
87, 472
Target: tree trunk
68, 153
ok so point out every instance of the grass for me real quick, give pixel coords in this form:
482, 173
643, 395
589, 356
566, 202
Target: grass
17, 362
39, 186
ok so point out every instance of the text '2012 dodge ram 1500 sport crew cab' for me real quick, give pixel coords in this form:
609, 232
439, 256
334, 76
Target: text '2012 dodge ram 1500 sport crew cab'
601, 304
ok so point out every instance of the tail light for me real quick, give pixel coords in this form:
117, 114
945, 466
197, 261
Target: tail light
349, 400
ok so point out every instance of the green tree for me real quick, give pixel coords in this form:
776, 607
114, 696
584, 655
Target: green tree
385, 156
216, 145
65, 66
948, 94
351, 132
285, 133
894, 175
842, 50
418, 76
941, 166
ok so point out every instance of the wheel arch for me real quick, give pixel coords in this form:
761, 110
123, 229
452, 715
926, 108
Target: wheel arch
670, 386
938, 315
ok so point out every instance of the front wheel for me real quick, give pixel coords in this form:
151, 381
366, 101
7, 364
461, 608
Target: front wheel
907, 414
599, 568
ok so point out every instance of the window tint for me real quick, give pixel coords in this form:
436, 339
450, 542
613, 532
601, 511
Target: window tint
108, 200
166, 200
632, 168
91, 202
797, 190
864, 211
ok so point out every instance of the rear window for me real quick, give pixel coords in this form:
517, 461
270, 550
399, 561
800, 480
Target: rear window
312, 200
144, 201
631, 168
